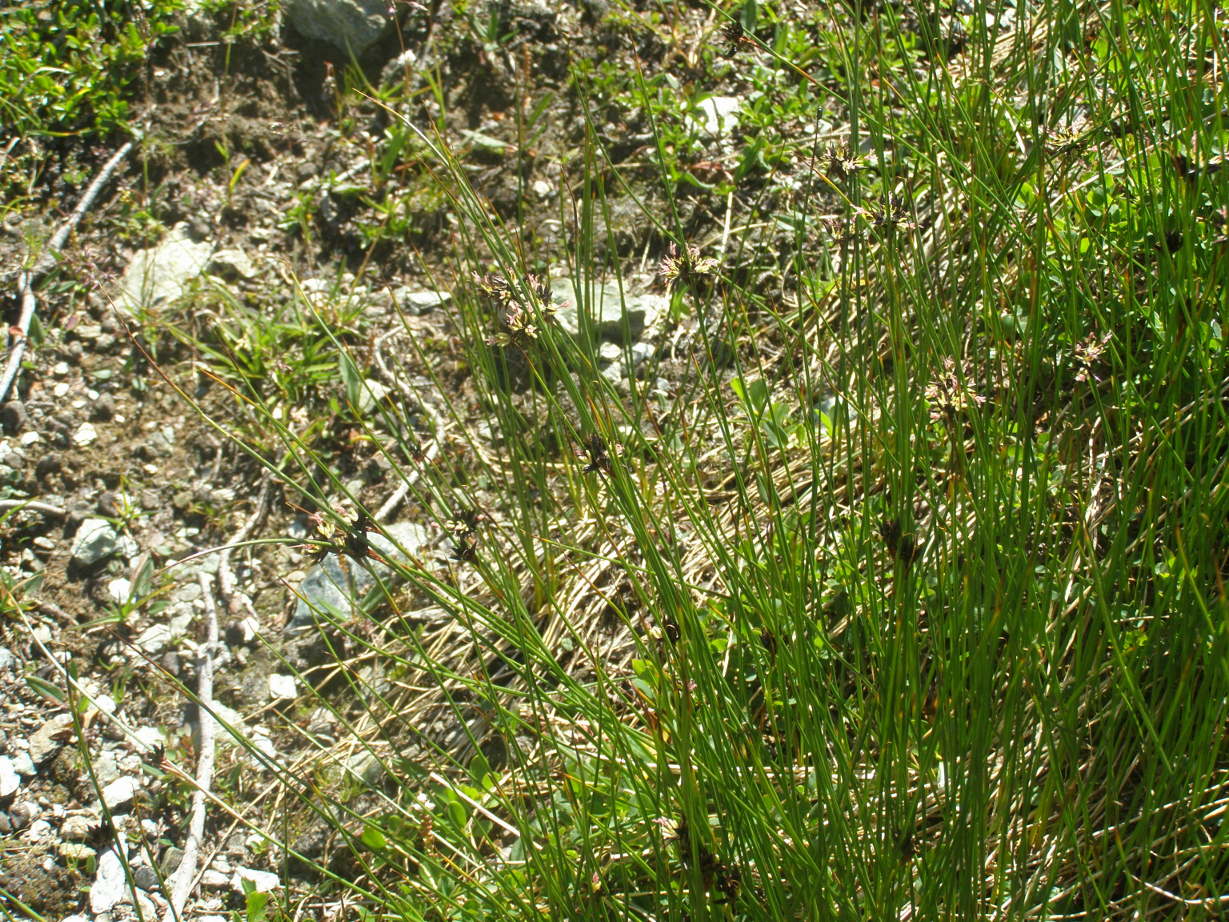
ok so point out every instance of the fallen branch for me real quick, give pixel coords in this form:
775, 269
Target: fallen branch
33, 505
27, 277
180, 882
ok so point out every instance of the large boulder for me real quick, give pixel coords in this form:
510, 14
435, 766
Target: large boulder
351, 26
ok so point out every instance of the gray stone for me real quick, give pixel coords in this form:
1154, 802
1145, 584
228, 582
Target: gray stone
7, 659
146, 878
24, 765
160, 274
419, 302
348, 25
106, 767
110, 885
337, 593
23, 814
79, 826
47, 739
232, 263
618, 316
95, 541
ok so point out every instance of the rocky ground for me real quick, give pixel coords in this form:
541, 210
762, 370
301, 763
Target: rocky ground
115, 494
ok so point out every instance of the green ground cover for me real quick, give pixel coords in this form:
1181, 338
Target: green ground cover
897, 591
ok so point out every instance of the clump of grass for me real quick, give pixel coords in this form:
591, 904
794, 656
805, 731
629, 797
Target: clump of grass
912, 608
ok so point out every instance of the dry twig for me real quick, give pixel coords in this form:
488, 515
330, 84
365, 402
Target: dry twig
180, 883
27, 278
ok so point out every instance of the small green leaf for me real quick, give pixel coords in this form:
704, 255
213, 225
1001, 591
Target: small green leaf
350, 379
373, 838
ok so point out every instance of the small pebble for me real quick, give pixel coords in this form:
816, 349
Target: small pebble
145, 877
119, 589
85, 435
261, 881
78, 827
10, 781
120, 791
26, 439
282, 687
13, 415
23, 814
214, 879
104, 408
75, 851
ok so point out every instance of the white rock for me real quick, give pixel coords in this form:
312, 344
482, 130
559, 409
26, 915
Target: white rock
120, 791
262, 881
610, 312
110, 885
59, 369
332, 591
10, 781
370, 394
40, 829
119, 589
717, 115
60, 390
282, 686
159, 275
153, 639
24, 764
214, 879
264, 744
249, 629
85, 435
26, 439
